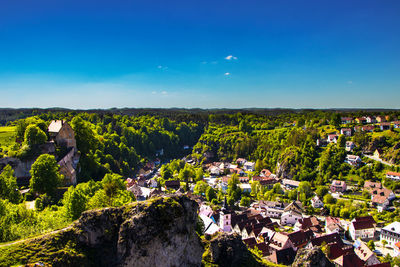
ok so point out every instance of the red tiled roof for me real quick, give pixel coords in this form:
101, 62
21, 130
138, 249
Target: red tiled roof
328, 239
393, 173
366, 222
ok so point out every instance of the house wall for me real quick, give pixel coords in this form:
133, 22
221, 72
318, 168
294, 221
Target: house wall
66, 136
391, 237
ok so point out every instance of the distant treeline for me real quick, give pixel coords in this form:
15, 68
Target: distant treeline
178, 114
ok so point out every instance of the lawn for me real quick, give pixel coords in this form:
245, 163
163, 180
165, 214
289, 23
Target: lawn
7, 136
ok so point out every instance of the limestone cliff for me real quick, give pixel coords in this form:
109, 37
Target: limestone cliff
157, 232
311, 258
229, 250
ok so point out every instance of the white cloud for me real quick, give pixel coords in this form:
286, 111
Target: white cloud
227, 73
350, 82
162, 67
230, 57
164, 92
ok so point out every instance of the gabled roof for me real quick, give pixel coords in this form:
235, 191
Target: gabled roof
55, 126
338, 183
379, 199
336, 250
290, 182
393, 173
300, 237
328, 239
306, 223
283, 256
366, 222
296, 205
349, 260
372, 185
393, 227
363, 251
250, 242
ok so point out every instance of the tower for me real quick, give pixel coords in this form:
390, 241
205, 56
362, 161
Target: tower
225, 218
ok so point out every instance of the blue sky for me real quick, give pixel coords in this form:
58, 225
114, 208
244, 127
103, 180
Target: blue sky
207, 54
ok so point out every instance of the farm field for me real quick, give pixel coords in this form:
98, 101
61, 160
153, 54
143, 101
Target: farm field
7, 136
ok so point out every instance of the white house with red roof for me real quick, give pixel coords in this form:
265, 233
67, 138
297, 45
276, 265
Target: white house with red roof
346, 131
338, 186
362, 227
393, 175
332, 138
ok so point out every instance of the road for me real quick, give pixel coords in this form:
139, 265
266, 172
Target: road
380, 160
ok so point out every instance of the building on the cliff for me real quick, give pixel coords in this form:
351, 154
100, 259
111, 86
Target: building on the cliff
62, 133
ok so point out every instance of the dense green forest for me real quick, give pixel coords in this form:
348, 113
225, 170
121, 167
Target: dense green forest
116, 144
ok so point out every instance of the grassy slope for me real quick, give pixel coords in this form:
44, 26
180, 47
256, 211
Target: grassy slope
7, 136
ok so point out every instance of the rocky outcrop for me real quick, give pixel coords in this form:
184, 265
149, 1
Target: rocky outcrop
311, 258
159, 232
156, 232
229, 250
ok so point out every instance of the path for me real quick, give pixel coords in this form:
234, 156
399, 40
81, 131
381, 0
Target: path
379, 159
35, 237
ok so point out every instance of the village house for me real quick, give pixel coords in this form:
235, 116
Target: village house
290, 184
275, 210
333, 225
361, 120
241, 161
381, 198
215, 170
328, 239
152, 183
316, 202
369, 185
338, 186
284, 256
350, 146
346, 131
266, 173
366, 128
295, 206
396, 124
363, 228
269, 182
246, 188
370, 119
309, 223
384, 126
346, 120
353, 160
391, 233
348, 260
377, 153
365, 254
300, 238
380, 119
393, 175
332, 138
290, 217
172, 184
249, 166
280, 241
